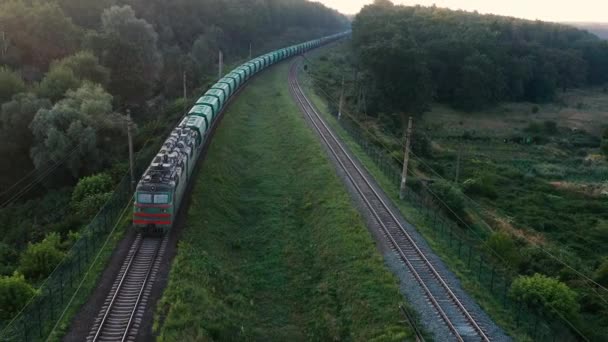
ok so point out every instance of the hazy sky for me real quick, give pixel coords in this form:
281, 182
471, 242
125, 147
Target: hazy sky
548, 10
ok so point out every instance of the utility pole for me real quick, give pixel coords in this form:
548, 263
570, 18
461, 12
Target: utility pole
4, 45
341, 100
221, 65
185, 94
406, 158
458, 162
130, 137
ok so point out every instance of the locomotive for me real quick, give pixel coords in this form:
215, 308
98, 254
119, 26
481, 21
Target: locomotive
160, 191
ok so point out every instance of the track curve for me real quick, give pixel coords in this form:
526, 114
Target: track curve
460, 322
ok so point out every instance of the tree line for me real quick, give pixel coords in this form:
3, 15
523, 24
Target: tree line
412, 56
69, 69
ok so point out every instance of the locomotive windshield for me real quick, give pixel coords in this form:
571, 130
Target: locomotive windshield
161, 199
144, 198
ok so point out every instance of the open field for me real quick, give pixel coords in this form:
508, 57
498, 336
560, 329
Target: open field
273, 249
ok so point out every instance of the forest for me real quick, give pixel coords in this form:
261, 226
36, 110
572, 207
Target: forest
71, 69
469, 61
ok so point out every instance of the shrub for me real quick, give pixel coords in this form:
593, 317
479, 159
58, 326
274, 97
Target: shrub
550, 127
504, 245
14, 294
90, 186
481, 187
39, 259
550, 295
550, 171
601, 274
535, 109
451, 197
11, 83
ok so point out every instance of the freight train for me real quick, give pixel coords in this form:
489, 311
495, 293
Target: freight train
161, 189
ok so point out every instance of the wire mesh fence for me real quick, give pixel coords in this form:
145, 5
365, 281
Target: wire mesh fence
36, 321
461, 243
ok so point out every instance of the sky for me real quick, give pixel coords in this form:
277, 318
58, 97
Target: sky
547, 10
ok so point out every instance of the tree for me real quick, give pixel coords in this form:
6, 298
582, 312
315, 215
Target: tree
91, 193
40, 259
37, 33
601, 274
548, 294
80, 130
14, 294
15, 136
85, 66
130, 51
57, 82
11, 83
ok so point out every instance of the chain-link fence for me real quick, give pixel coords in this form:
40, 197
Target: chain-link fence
461, 243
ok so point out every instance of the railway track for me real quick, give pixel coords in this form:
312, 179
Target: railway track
120, 316
461, 324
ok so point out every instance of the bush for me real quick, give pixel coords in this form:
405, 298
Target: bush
601, 274
11, 83
550, 127
90, 186
57, 82
14, 294
550, 295
451, 197
535, 109
504, 245
39, 259
549, 171
481, 187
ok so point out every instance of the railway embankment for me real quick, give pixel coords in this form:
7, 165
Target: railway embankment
273, 248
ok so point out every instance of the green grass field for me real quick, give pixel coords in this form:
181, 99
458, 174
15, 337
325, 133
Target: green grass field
273, 249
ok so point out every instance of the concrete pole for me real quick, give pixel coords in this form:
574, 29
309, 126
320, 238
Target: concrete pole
458, 162
406, 158
185, 94
131, 157
341, 100
221, 65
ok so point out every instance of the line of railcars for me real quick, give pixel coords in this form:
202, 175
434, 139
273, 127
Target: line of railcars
161, 189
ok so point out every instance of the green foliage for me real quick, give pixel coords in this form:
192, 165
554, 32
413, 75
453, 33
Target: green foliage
15, 136
129, 50
37, 33
14, 294
8, 256
452, 198
57, 82
601, 273
91, 193
80, 127
469, 60
548, 294
504, 245
11, 83
604, 143
85, 66
39, 259
481, 186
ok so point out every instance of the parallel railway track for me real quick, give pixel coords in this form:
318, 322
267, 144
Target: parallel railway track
120, 316
461, 324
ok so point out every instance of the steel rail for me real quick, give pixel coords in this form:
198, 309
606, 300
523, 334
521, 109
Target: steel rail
326, 134
114, 302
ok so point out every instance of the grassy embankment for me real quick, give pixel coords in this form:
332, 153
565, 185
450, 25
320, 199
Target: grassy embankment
272, 248
547, 188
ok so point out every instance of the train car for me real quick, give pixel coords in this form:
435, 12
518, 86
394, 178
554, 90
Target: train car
161, 189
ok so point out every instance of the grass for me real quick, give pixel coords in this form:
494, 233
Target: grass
550, 190
273, 248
